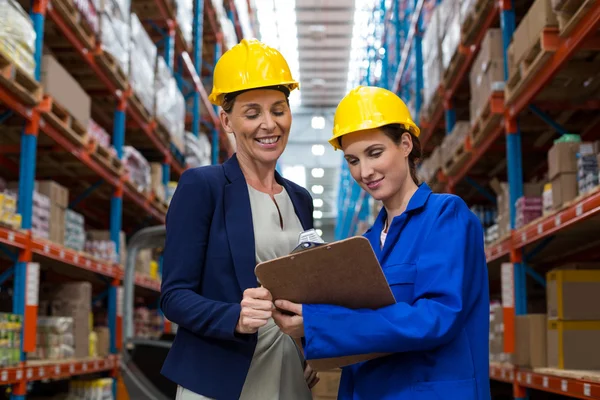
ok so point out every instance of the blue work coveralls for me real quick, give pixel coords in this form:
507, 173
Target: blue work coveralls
434, 261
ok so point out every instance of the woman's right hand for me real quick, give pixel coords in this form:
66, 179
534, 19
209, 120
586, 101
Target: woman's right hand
257, 308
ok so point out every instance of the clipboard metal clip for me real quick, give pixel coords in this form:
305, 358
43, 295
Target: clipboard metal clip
308, 240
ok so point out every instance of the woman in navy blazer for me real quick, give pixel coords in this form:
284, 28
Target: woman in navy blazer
222, 220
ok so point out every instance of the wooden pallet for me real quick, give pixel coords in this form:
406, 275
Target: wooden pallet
472, 23
134, 188
138, 106
533, 60
162, 132
570, 12
102, 155
19, 82
63, 121
79, 26
436, 101
458, 60
484, 124
159, 204
114, 71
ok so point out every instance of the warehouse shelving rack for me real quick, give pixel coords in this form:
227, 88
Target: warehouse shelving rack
529, 243
23, 248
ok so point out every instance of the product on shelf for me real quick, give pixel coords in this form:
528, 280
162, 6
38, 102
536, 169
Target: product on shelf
137, 167
562, 169
99, 244
65, 90
184, 16
452, 143
147, 323
157, 180
59, 200
8, 210
142, 64
450, 28
99, 135
88, 12
497, 353
40, 222
72, 300
74, 230
487, 73
532, 189
197, 150
528, 209
547, 199
492, 234
114, 30
17, 36
10, 339
432, 60
169, 104
97, 389
530, 341
55, 340
587, 167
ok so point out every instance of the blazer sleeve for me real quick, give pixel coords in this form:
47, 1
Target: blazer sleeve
187, 229
452, 260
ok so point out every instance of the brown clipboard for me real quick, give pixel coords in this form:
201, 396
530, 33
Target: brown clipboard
344, 273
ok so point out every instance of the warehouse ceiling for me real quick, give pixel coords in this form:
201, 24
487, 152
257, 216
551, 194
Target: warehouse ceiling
315, 37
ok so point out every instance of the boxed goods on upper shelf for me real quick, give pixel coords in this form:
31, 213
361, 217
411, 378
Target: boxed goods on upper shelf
17, 36
487, 73
114, 30
99, 135
169, 104
530, 341
100, 245
432, 60
184, 15
528, 209
454, 141
430, 165
88, 11
197, 150
158, 188
8, 210
74, 230
450, 23
142, 61
137, 167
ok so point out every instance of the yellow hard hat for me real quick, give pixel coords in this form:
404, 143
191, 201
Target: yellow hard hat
250, 64
369, 107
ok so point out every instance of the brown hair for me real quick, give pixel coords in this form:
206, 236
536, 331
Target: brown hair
395, 132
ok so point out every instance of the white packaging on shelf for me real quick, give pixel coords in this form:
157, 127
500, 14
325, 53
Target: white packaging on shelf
466, 8
162, 80
142, 62
74, 230
451, 38
17, 36
243, 16
137, 167
197, 150
229, 34
184, 16
114, 35
89, 13
98, 134
170, 107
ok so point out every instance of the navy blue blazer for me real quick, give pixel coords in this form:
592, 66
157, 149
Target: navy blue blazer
208, 262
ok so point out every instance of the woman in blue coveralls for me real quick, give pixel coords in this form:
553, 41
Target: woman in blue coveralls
431, 249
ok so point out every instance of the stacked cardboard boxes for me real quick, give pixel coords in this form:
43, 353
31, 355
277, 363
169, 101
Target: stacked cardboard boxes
169, 104
573, 330
156, 178
450, 24
530, 342
528, 208
55, 340
59, 200
40, 222
497, 353
142, 59
74, 230
114, 30
137, 167
503, 202
454, 141
74, 301
100, 245
487, 73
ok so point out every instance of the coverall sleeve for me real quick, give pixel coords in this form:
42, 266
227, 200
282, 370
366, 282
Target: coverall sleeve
452, 252
187, 225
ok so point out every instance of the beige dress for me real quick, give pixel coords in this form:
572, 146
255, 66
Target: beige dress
276, 371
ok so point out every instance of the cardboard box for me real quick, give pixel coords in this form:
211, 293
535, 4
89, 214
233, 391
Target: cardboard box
573, 294
105, 235
574, 345
58, 194
564, 189
103, 344
540, 16
57, 82
487, 71
520, 42
156, 179
329, 384
530, 344
562, 158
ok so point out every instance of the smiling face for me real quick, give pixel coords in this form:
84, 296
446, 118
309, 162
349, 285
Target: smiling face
377, 163
261, 121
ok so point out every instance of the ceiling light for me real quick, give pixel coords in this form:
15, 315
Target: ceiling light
318, 149
317, 214
317, 172
296, 174
317, 189
318, 122
319, 232
318, 202
318, 223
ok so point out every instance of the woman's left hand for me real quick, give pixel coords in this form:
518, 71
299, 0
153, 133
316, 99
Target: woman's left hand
311, 376
292, 325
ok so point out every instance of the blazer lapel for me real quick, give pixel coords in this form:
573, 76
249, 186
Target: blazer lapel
239, 226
